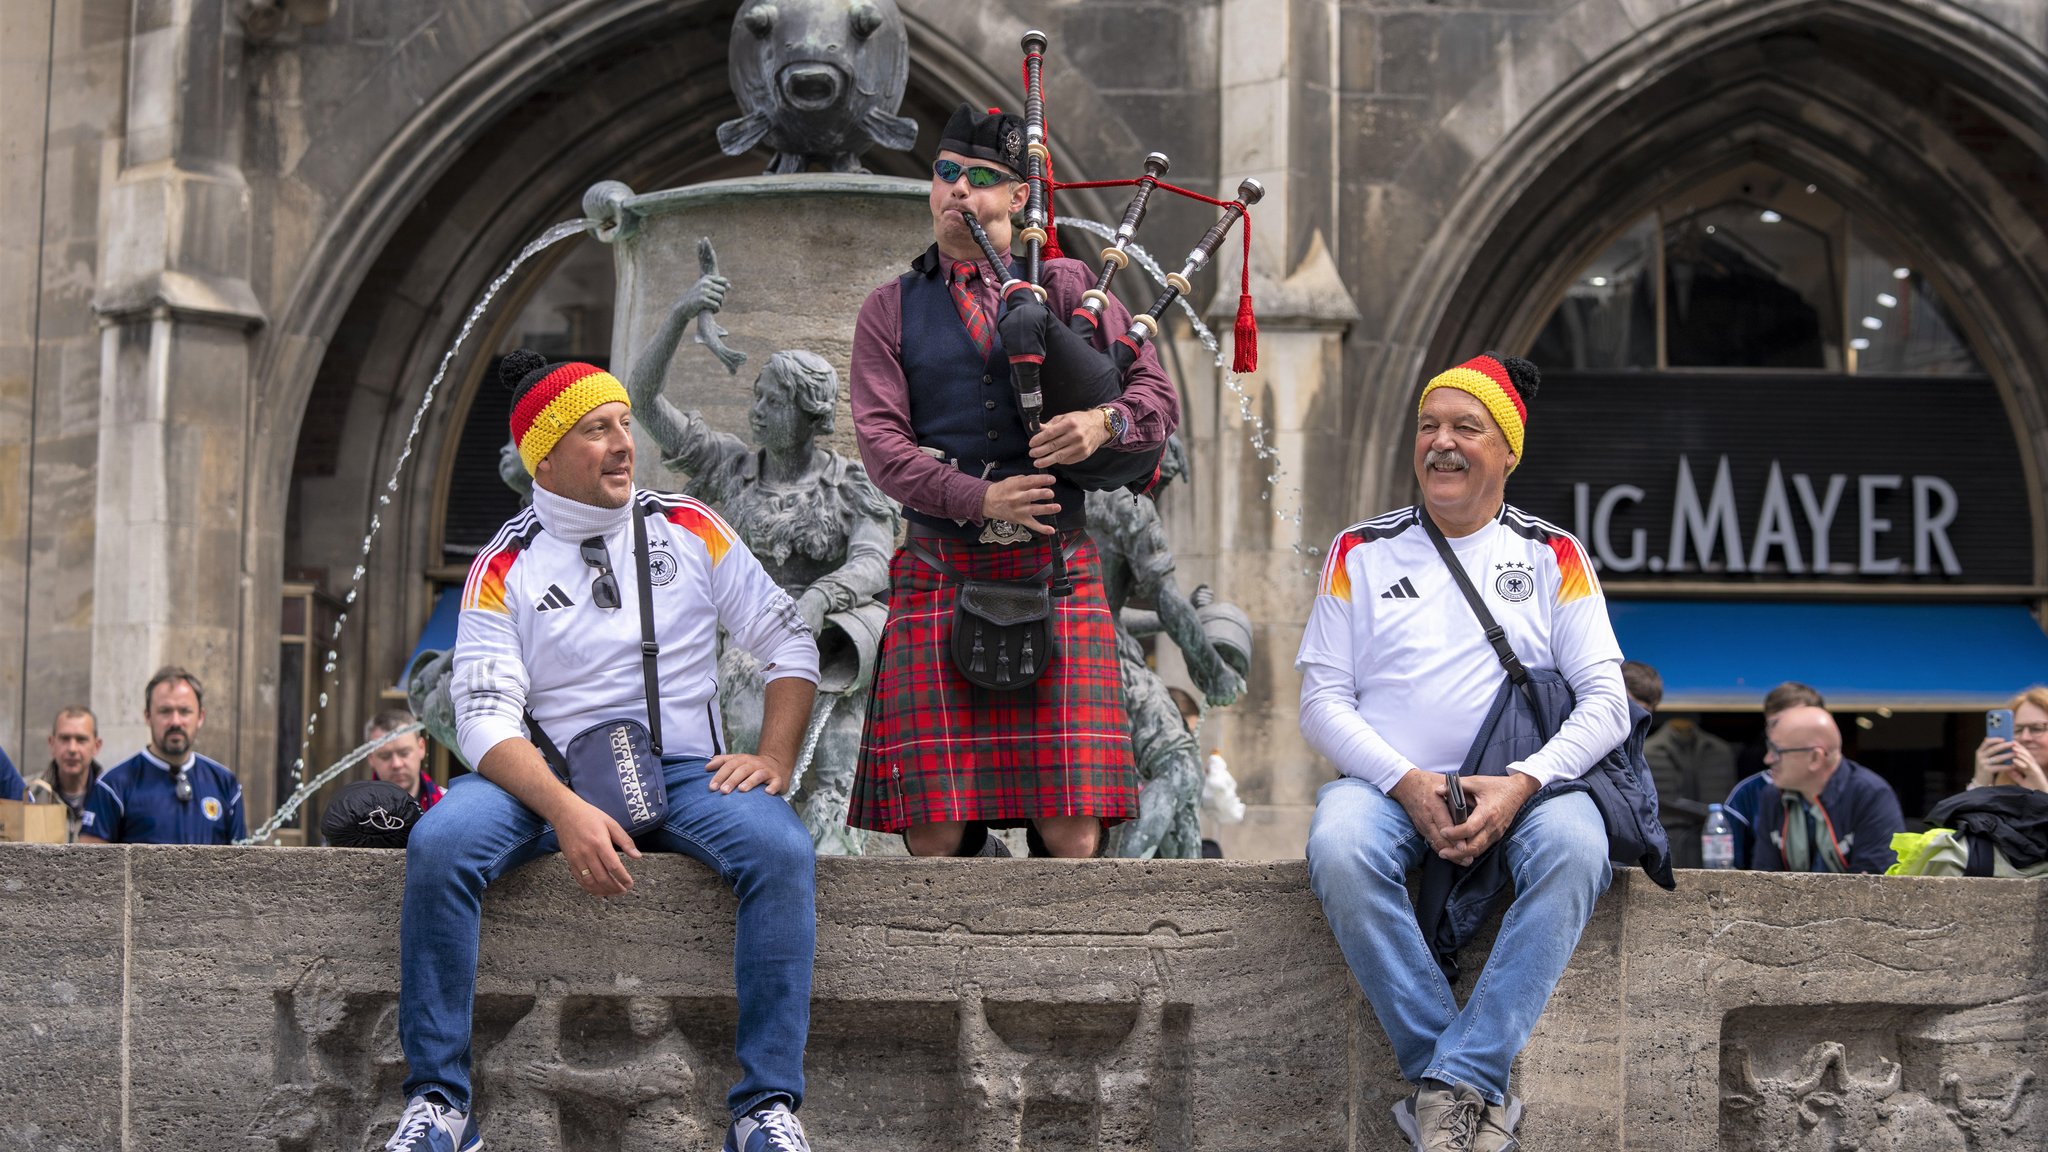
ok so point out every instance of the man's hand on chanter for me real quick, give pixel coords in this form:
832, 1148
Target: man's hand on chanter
1495, 800
1021, 500
742, 772
1421, 794
591, 843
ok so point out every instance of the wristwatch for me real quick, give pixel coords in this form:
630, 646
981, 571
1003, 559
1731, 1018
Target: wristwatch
1114, 422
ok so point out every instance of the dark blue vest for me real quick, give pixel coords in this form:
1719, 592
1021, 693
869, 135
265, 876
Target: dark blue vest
961, 404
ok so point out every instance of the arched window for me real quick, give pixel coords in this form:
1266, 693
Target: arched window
1753, 269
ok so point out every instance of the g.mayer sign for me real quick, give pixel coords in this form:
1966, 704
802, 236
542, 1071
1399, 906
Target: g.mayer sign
1749, 478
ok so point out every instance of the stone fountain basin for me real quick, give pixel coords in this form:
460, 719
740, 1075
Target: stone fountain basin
158, 997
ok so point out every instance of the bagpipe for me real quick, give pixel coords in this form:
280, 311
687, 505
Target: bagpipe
1054, 366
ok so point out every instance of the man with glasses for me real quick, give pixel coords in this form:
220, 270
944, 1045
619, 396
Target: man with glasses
939, 428
1810, 809
551, 631
167, 793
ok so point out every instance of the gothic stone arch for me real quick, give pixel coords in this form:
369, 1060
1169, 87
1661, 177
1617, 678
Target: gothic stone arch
1918, 115
593, 91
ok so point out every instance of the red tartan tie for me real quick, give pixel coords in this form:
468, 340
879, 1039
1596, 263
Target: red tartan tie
964, 298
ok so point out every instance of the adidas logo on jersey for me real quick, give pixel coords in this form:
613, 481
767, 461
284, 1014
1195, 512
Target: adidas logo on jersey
556, 598
1402, 590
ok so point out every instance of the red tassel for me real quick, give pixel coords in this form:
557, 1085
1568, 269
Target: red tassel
1244, 355
1052, 231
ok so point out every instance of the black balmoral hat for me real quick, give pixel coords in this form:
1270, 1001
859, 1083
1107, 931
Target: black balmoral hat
995, 136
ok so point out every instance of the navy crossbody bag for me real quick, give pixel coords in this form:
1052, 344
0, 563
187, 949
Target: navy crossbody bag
616, 766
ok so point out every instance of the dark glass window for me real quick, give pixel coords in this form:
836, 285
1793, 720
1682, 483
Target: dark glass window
1753, 268
1897, 323
1748, 287
1608, 320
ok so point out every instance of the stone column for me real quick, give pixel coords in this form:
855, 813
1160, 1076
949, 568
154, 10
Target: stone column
1278, 93
177, 313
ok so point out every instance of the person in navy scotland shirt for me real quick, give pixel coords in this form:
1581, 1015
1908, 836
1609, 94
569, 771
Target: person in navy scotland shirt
167, 793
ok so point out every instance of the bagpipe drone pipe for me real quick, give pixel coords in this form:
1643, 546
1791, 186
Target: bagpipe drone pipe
1055, 366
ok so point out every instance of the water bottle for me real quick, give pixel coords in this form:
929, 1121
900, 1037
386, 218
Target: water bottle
1717, 840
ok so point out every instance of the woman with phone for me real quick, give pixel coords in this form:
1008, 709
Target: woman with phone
2015, 746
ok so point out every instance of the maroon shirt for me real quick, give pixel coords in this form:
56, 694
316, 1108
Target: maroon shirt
881, 396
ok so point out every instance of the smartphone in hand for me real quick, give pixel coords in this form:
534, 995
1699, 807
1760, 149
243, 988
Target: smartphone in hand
1461, 804
1998, 724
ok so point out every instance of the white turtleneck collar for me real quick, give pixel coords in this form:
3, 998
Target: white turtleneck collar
575, 521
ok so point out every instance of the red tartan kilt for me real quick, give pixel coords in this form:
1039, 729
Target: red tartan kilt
937, 748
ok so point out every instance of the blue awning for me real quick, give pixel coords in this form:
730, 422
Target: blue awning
1724, 655
439, 634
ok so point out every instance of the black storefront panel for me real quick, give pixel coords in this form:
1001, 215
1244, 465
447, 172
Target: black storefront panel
1770, 478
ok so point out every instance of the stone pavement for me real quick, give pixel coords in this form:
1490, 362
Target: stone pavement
187, 998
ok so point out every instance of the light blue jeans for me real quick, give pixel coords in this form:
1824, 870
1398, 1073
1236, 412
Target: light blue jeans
479, 832
1361, 847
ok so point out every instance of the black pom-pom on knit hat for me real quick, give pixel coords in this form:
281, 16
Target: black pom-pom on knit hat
520, 370
1525, 376
994, 136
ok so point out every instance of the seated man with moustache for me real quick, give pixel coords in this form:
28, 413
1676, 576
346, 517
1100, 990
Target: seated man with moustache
1398, 677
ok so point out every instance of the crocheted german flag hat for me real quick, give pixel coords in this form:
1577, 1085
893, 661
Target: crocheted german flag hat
548, 400
1505, 384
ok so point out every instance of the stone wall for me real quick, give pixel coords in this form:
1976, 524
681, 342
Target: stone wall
179, 998
281, 227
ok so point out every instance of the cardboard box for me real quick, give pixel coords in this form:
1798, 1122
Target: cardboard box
33, 823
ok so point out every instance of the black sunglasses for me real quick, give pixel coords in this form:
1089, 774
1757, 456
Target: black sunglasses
184, 784
604, 590
978, 176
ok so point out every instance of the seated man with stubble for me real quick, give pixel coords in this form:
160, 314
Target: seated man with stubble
550, 630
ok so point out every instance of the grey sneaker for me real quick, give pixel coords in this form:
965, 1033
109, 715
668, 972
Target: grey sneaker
1497, 1123
770, 1129
1440, 1117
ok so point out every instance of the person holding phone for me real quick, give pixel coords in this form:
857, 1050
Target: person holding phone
2015, 745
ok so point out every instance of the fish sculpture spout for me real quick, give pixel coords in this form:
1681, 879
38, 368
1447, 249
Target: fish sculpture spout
818, 82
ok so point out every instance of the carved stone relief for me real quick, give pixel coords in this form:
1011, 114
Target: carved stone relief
996, 1069
1887, 1079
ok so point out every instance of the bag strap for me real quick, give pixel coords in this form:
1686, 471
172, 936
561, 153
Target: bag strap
650, 652
557, 763
1495, 634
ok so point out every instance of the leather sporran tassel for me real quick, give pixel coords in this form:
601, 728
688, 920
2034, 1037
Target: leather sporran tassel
979, 665
1026, 666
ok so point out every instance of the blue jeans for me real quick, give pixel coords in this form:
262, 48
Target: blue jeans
1361, 847
479, 832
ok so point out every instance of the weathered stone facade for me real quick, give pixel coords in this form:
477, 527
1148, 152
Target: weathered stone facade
236, 237
175, 998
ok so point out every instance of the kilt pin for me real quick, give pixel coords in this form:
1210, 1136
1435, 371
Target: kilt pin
937, 748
